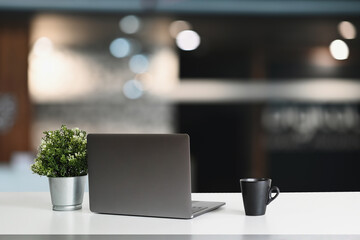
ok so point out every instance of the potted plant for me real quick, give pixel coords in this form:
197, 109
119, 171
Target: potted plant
62, 157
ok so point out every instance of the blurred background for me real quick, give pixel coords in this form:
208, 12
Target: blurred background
264, 88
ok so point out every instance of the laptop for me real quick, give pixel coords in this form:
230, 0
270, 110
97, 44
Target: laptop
142, 175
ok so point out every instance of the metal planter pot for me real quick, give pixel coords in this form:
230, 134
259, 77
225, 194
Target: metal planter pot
67, 192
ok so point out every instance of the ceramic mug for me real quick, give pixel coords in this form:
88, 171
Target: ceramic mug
257, 194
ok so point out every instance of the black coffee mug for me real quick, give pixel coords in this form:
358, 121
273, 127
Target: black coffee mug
257, 194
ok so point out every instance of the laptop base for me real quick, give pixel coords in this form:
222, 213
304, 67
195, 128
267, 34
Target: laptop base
201, 207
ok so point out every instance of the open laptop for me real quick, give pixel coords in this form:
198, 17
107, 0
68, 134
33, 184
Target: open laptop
143, 175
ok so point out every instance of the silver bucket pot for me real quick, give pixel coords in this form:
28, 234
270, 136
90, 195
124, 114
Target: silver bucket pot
67, 192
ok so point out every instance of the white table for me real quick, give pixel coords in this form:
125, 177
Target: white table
290, 213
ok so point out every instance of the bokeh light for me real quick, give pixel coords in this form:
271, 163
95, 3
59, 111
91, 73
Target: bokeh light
147, 80
130, 24
133, 89
321, 57
43, 47
188, 40
178, 26
339, 50
347, 30
120, 48
139, 63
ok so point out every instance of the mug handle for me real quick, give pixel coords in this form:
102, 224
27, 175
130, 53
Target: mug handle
272, 189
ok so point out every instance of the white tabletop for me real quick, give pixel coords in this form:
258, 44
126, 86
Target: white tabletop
290, 213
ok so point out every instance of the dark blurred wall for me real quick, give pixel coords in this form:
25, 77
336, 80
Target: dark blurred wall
220, 144
303, 144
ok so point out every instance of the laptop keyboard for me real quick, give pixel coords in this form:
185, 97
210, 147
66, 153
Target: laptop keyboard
196, 208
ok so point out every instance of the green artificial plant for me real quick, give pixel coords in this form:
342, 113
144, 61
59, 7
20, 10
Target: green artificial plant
62, 153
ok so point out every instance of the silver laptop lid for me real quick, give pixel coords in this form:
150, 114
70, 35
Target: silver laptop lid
140, 174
